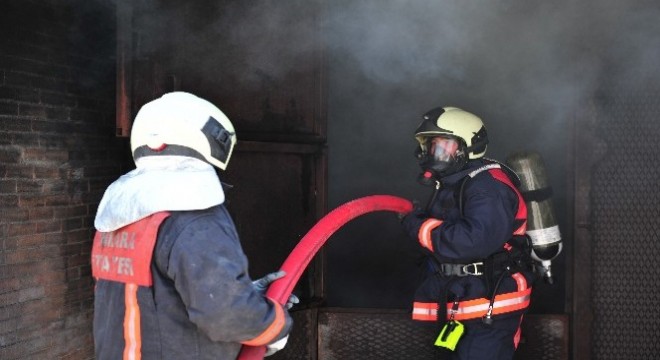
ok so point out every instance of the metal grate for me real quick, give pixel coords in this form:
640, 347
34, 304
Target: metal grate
301, 344
626, 244
364, 334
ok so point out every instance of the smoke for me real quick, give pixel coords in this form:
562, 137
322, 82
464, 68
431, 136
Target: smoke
525, 67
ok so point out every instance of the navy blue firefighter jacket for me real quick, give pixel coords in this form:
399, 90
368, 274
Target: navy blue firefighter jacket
201, 304
487, 222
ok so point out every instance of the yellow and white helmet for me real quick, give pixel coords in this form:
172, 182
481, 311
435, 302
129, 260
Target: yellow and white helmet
448, 137
182, 124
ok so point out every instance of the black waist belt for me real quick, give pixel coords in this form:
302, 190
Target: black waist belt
474, 269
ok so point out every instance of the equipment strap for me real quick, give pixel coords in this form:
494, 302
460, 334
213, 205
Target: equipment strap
474, 309
474, 269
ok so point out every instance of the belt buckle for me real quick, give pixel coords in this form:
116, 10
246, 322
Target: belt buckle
466, 269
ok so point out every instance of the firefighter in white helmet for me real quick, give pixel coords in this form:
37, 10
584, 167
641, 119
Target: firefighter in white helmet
171, 277
478, 268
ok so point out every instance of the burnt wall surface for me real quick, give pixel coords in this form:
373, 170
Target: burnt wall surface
57, 154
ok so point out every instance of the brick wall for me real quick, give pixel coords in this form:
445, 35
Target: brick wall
57, 155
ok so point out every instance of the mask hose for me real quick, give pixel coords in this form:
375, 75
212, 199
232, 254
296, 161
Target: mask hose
309, 245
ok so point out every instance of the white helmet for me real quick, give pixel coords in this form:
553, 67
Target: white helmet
182, 124
448, 137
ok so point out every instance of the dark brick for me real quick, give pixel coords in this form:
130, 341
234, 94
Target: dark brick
10, 154
10, 285
41, 126
8, 93
27, 95
53, 140
57, 113
8, 200
33, 81
48, 226
25, 139
8, 108
9, 298
54, 156
58, 99
29, 186
17, 229
57, 200
54, 238
32, 110
7, 186
73, 224
7, 139
13, 214
85, 115
54, 186
31, 240
74, 211
54, 63
14, 124
78, 236
41, 213
46, 172
35, 67
18, 171
31, 200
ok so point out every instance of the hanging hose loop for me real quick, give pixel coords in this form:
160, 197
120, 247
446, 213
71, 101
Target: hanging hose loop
309, 245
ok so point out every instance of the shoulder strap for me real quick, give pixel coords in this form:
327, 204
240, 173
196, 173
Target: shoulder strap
470, 176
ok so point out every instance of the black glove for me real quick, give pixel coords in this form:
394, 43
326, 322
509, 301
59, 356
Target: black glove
415, 207
413, 221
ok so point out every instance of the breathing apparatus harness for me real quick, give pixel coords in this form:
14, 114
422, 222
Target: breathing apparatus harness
514, 257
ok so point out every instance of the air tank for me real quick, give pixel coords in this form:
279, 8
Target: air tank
542, 225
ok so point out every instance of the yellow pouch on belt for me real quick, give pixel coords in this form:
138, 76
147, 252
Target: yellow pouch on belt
450, 335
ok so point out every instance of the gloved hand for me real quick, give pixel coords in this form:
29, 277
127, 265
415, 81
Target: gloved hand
415, 207
292, 301
413, 221
276, 346
261, 285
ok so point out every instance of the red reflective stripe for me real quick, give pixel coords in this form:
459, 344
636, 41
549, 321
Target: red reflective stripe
132, 336
473, 309
516, 337
268, 335
521, 215
425, 311
504, 303
424, 233
520, 281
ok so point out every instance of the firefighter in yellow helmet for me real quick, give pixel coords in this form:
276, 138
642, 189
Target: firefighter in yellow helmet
478, 267
171, 277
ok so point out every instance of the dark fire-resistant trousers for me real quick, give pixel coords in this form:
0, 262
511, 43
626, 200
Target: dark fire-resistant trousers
484, 342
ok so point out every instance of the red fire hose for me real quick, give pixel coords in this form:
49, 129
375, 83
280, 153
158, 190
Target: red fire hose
302, 254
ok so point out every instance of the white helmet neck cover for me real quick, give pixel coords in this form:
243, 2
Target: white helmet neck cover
182, 124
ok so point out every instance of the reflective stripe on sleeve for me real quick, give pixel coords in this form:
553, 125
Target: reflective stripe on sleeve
132, 336
424, 233
268, 335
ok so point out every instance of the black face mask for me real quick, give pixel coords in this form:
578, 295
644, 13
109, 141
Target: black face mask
444, 156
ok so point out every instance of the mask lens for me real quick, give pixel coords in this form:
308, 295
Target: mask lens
442, 149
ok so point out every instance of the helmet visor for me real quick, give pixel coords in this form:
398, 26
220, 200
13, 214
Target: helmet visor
442, 149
